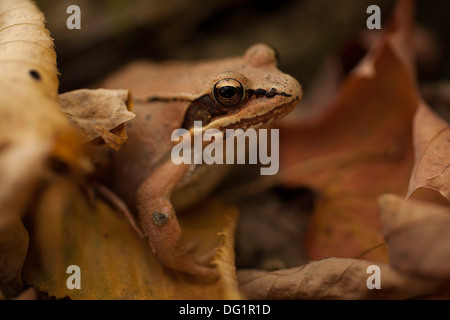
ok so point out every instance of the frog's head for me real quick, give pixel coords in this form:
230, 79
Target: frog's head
249, 93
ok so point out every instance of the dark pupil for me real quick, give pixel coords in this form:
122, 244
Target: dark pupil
228, 91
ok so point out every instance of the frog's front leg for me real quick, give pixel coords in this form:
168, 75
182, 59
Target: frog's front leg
159, 222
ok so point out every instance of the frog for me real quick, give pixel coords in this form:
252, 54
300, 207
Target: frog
242, 92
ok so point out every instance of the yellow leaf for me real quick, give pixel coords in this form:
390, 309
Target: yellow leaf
115, 262
32, 127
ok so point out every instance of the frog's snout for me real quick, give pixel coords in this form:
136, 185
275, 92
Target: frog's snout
292, 89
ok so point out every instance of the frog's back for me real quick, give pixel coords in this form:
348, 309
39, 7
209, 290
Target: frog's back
147, 144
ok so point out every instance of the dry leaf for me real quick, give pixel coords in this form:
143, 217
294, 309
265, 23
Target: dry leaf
99, 113
115, 262
335, 278
418, 234
432, 150
32, 127
358, 148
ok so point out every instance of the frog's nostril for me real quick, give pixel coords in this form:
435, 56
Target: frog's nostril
272, 92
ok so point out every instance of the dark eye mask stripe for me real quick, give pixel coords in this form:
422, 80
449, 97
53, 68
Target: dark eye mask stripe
202, 109
258, 92
267, 93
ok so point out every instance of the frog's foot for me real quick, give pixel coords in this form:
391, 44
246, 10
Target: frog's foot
179, 258
192, 245
163, 232
203, 259
207, 258
198, 267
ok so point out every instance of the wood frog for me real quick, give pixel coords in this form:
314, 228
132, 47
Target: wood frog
238, 92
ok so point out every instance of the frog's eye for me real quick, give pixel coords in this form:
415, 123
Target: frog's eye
228, 92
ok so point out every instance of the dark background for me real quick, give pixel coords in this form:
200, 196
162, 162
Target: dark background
304, 33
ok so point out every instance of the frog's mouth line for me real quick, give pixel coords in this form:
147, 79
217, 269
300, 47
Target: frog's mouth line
260, 120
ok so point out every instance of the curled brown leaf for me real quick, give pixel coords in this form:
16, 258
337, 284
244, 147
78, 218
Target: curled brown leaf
99, 113
335, 278
432, 155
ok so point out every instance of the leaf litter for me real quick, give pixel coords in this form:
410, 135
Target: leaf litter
373, 143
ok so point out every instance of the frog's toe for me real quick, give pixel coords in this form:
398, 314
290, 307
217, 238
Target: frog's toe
207, 258
203, 272
192, 245
205, 266
199, 267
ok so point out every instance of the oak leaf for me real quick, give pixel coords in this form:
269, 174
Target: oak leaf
358, 147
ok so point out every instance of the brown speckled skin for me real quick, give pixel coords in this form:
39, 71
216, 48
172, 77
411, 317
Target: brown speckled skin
143, 174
